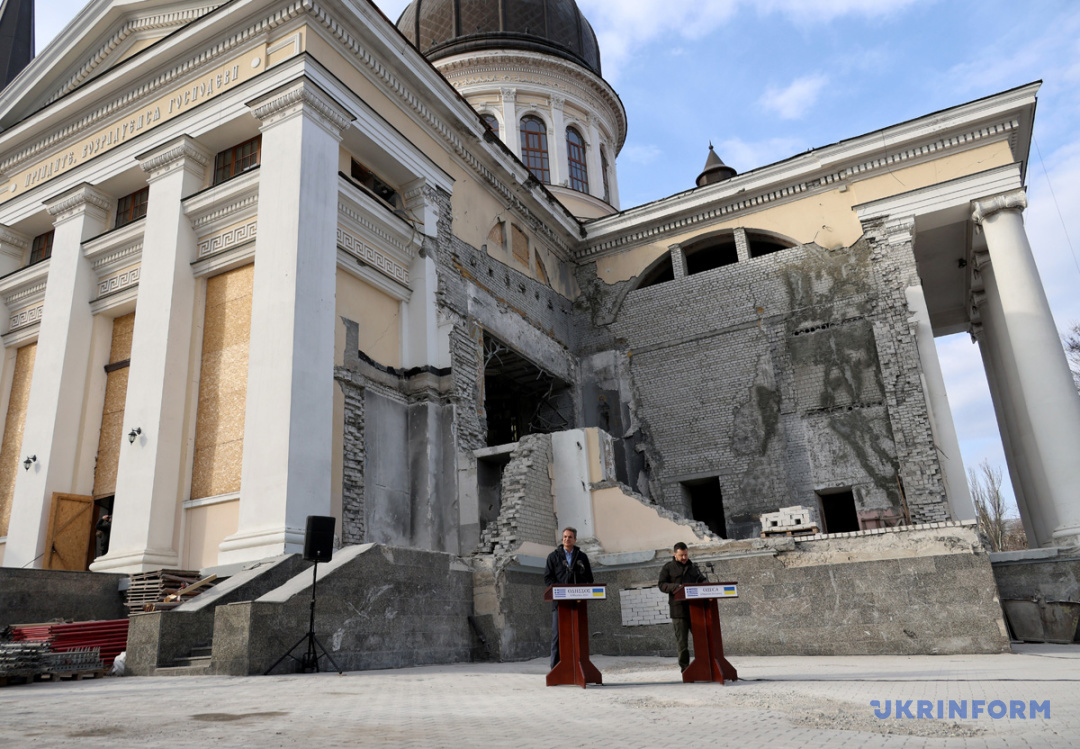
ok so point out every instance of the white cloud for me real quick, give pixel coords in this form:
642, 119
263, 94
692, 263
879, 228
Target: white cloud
793, 101
746, 155
625, 27
636, 153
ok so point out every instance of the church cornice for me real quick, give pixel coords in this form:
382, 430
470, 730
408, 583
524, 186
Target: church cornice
129, 28
755, 190
515, 188
254, 31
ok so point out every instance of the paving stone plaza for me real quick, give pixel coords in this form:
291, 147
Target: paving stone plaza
779, 702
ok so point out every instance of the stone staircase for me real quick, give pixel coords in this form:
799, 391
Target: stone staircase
196, 663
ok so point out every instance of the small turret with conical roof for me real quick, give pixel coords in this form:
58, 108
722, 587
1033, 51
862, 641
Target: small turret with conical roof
715, 170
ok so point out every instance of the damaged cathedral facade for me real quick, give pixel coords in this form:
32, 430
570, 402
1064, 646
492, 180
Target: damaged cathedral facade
265, 260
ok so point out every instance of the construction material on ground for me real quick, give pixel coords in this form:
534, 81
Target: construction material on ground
151, 588
109, 637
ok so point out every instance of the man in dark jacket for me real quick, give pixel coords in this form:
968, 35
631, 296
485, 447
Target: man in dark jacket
678, 572
567, 565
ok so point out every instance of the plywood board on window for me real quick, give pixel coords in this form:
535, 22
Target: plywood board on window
111, 434
11, 457
219, 428
123, 330
520, 242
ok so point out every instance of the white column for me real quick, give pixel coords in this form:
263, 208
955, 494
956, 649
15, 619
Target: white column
558, 156
149, 477
289, 412
57, 393
937, 404
420, 319
1006, 416
511, 127
592, 155
1050, 400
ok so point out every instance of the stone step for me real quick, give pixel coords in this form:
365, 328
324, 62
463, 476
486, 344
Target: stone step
196, 667
201, 651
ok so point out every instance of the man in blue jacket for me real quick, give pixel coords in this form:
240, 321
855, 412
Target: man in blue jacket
567, 565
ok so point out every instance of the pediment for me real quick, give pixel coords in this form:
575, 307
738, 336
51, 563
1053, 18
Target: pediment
102, 35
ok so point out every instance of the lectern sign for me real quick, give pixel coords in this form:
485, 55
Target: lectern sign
723, 590
577, 592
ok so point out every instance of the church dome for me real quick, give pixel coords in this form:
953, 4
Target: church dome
440, 28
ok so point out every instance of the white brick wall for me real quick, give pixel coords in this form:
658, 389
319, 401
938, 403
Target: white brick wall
644, 606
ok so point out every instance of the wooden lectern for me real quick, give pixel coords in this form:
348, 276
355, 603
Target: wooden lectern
709, 663
574, 666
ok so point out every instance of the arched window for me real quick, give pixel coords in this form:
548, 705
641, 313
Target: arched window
575, 154
534, 148
491, 122
603, 172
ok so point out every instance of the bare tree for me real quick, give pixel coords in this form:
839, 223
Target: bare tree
1071, 341
989, 503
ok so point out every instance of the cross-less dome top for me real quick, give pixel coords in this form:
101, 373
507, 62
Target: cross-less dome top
440, 28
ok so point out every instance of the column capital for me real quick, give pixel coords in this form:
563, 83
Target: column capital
77, 201
558, 102
12, 243
181, 153
1010, 201
300, 97
509, 95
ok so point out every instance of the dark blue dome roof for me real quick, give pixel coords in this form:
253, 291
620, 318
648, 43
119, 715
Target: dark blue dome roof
440, 28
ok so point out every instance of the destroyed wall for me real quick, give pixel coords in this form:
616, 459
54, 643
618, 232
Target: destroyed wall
528, 510
478, 294
783, 375
398, 466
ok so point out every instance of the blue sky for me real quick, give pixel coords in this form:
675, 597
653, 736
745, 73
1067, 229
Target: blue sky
767, 79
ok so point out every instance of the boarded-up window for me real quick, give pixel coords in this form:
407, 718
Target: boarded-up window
219, 425
10, 457
520, 245
497, 235
541, 271
111, 436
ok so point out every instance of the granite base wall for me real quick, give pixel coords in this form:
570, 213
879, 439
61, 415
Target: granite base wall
925, 591
377, 607
28, 596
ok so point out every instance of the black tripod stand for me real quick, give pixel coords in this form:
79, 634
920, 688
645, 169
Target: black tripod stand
309, 661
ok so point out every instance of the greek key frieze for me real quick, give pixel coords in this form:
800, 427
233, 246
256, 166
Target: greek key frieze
120, 281
226, 240
25, 317
372, 257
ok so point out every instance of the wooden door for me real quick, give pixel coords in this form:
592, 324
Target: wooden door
71, 525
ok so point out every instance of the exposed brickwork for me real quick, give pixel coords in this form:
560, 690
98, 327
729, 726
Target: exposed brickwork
783, 376
528, 510
352, 480
644, 606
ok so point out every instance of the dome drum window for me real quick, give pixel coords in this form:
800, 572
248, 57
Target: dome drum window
534, 148
575, 155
